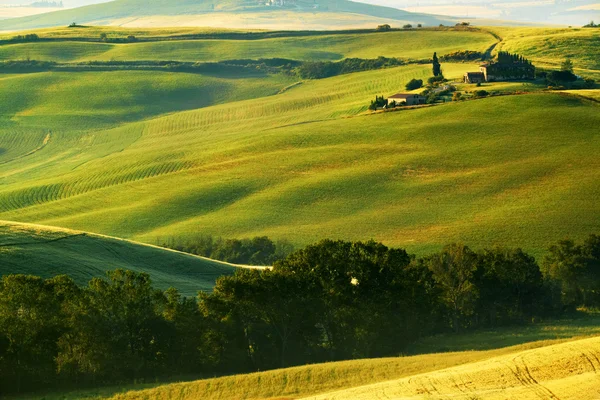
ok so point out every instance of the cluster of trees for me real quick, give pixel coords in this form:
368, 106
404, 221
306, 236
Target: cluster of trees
23, 66
326, 69
462, 55
30, 37
566, 77
384, 28
47, 4
409, 26
256, 251
129, 39
331, 301
379, 102
591, 25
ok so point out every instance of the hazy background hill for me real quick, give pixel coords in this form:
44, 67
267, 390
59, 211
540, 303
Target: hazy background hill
296, 14
278, 14
562, 12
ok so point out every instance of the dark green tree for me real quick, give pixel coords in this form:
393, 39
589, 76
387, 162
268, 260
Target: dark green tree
567, 65
437, 68
454, 271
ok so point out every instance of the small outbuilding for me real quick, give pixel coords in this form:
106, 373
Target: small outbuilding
408, 98
474, 77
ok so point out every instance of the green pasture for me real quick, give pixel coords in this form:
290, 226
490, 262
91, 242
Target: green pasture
47, 252
402, 44
303, 165
550, 47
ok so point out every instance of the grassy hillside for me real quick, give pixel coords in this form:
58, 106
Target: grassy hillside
562, 371
549, 47
114, 12
402, 44
46, 252
290, 166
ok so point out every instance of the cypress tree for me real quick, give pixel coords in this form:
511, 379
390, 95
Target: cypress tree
437, 69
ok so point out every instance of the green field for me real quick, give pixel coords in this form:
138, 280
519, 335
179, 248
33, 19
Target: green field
293, 166
157, 155
551, 46
402, 44
47, 252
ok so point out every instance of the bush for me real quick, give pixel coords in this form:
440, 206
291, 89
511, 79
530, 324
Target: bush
436, 80
379, 102
462, 55
407, 26
414, 84
589, 83
558, 78
384, 28
481, 93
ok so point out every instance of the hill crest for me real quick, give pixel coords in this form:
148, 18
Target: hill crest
311, 14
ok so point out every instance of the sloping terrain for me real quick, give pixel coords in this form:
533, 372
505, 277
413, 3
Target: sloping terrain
550, 47
562, 371
401, 44
292, 167
47, 252
117, 12
538, 370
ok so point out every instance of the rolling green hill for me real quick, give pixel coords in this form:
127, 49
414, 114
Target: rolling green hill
292, 166
551, 46
47, 252
401, 44
113, 13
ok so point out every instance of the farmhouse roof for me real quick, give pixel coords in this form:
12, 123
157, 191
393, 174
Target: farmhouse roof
404, 95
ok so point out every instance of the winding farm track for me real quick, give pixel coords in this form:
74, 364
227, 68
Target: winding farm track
567, 371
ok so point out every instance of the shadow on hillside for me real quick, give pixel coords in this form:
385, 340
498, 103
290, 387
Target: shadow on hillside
581, 324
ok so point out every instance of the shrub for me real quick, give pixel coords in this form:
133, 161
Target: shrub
414, 84
561, 77
436, 80
384, 28
480, 93
589, 83
379, 102
407, 26
462, 55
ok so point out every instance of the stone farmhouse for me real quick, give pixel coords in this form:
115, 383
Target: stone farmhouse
474, 77
409, 99
507, 67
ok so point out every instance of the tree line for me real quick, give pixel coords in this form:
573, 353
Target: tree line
334, 300
259, 250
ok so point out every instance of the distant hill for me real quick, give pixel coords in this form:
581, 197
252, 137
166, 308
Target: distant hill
312, 14
47, 252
